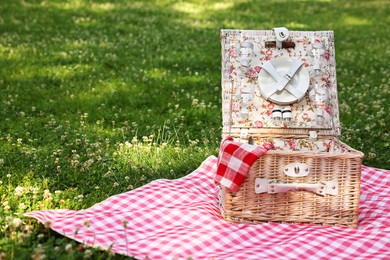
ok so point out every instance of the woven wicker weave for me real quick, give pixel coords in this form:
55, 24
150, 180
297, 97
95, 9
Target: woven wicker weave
298, 206
342, 165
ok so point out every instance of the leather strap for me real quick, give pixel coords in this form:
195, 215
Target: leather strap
281, 34
282, 81
269, 67
321, 188
289, 75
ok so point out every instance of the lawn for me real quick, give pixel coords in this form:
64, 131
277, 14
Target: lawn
100, 97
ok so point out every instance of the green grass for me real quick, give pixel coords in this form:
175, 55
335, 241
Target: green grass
99, 97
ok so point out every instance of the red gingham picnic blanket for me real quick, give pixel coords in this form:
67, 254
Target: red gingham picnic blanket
176, 219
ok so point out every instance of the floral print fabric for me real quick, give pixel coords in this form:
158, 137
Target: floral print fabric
243, 54
304, 145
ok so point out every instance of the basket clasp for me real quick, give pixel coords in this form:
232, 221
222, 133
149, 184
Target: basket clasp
296, 170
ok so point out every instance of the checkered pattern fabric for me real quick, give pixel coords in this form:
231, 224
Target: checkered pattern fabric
176, 219
234, 162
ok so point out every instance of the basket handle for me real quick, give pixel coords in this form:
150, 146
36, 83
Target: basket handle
272, 187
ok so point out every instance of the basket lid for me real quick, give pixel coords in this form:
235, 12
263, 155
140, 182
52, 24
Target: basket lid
279, 81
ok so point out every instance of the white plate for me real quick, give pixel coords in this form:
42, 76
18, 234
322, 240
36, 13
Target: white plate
301, 81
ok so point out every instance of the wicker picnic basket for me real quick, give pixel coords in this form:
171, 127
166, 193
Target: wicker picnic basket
280, 86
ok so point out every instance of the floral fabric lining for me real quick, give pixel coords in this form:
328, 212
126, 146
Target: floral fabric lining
236, 79
304, 145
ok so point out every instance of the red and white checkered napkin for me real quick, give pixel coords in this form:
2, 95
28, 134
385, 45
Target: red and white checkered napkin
234, 162
176, 219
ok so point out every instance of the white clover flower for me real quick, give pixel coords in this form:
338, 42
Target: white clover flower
47, 194
68, 248
47, 224
195, 102
39, 252
19, 191
371, 155
88, 253
16, 222
22, 206
29, 228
